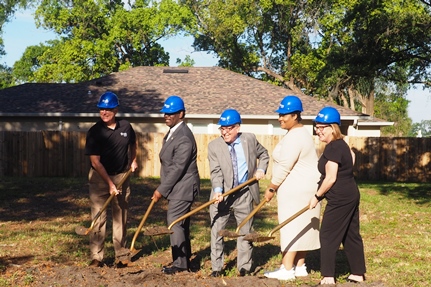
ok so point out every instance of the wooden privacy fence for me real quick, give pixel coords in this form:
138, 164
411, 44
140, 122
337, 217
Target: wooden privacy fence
61, 154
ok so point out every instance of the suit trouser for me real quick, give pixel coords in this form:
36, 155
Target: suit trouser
241, 204
180, 239
340, 224
99, 193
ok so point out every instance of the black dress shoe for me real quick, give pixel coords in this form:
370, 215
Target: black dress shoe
215, 274
173, 270
243, 272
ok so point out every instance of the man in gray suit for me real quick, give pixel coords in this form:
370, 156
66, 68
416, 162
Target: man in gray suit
234, 158
179, 180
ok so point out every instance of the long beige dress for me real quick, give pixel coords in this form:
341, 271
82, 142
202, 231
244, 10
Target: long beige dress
295, 170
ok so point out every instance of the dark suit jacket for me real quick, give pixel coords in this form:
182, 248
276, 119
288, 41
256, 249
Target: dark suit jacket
179, 174
221, 163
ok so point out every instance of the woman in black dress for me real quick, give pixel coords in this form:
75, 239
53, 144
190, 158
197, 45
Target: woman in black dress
340, 223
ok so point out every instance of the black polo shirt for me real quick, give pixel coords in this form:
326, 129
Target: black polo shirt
111, 145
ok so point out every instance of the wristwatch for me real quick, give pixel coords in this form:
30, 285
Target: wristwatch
271, 190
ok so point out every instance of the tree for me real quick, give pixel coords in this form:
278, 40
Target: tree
337, 50
100, 37
421, 129
257, 38
375, 41
391, 105
188, 62
24, 68
6, 79
7, 9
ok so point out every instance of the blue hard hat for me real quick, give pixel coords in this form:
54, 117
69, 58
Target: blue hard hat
328, 115
173, 104
108, 100
229, 117
289, 104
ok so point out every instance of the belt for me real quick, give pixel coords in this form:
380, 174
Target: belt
244, 188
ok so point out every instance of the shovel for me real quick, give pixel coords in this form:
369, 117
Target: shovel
255, 237
164, 230
81, 230
134, 251
230, 234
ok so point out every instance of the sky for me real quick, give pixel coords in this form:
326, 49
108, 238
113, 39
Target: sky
21, 32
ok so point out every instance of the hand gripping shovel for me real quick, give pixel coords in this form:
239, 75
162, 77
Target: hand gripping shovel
230, 234
81, 230
163, 230
255, 237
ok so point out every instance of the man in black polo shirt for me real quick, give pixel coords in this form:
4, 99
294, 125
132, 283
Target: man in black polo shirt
111, 146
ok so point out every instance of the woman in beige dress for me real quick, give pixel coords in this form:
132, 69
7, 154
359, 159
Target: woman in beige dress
294, 179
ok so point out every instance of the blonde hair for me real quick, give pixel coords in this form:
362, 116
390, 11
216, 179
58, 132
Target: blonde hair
336, 132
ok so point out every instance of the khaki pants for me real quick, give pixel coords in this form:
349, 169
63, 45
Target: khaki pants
99, 193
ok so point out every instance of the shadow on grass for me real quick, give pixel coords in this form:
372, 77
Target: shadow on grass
420, 192
47, 199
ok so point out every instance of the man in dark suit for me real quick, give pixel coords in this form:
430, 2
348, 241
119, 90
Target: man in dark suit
234, 158
179, 180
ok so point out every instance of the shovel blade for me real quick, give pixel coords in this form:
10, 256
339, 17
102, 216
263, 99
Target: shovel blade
81, 230
134, 252
229, 234
255, 237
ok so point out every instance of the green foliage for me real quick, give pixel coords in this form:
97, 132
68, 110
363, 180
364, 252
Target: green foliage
6, 79
337, 50
7, 9
188, 62
423, 128
97, 38
391, 105
373, 41
24, 68
393, 108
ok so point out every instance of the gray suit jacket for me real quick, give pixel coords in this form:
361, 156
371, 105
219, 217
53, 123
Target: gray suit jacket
179, 174
221, 164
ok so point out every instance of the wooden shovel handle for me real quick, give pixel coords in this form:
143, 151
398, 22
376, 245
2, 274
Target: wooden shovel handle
235, 189
278, 227
256, 209
123, 179
150, 207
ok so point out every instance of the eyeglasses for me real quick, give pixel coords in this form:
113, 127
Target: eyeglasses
227, 129
320, 128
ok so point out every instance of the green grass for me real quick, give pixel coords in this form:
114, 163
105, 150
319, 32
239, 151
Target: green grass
38, 216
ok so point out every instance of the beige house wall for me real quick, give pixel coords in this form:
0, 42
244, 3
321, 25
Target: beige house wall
156, 125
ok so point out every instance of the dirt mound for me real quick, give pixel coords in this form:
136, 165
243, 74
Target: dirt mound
146, 271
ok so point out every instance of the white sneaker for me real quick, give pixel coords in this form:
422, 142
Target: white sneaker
281, 274
301, 271
269, 272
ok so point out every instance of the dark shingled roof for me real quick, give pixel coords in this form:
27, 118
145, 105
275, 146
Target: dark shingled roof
205, 91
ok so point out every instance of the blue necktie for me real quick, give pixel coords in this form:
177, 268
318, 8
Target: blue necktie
234, 164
